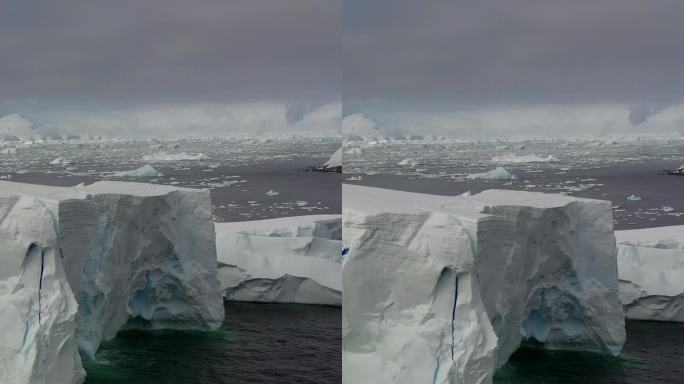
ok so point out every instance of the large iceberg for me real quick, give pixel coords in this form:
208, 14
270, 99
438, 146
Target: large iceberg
286, 260
444, 289
651, 271
132, 255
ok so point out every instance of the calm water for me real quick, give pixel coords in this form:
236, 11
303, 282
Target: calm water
612, 182
654, 353
258, 343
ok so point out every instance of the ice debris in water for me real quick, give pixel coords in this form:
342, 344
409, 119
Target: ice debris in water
144, 171
513, 158
163, 156
60, 162
633, 198
499, 173
272, 193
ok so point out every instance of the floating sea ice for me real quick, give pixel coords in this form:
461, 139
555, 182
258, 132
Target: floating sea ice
634, 198
667, 208
60, 161
499, 173
144, 171
355, 178
272, 193
408, 162
163, 156
513, 158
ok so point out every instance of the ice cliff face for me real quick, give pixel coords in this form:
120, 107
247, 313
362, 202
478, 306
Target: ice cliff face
444, 289
132, 255
651, 271
37, 307
288, 260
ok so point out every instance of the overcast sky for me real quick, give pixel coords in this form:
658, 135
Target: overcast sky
67, 56
478, 56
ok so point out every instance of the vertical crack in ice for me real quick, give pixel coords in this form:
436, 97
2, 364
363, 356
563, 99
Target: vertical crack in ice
40, 283
453, 318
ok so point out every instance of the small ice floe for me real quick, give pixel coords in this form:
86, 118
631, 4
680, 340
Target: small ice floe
144, 171
499, 173
272, 193
667, 208
354, 178
60, 161
634, 198
408, 162
513, 158
163, 156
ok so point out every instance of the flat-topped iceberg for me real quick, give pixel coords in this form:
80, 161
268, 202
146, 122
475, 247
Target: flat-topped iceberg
132, 255
286, 260
444, 289
651, 271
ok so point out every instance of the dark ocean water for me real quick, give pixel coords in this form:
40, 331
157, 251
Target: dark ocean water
654, 353
613, 182
258, 343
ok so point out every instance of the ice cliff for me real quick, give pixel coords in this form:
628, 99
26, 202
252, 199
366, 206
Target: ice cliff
444, 289
651, 271
132, 255
287, 260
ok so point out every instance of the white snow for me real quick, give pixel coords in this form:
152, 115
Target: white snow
281, 260
144, 171
444, 289
163, 156
651, 271
499, 173
335, 160
132, 255
517, 159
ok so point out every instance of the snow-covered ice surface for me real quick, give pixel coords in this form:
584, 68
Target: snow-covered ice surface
134, 256
651, 270
606, 168
288, 260
238, 171
444, 289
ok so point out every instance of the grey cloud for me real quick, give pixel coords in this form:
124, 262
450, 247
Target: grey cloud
513, 51
130, 51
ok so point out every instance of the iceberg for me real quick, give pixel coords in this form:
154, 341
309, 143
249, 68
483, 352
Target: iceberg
444, 289
335, 160
144, 171
132, 255
651, 272
499, 173
37, 307
288, 260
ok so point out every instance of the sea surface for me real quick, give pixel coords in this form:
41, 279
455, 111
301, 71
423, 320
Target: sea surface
258, 343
